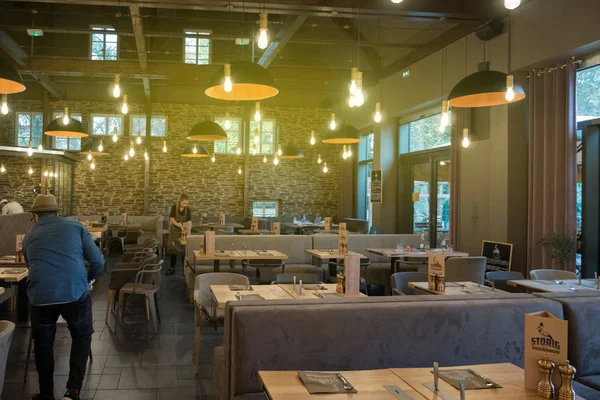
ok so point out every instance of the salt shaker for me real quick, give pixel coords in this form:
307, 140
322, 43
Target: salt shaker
545, 388
567, 373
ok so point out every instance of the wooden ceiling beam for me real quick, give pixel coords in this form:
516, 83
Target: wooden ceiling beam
140, 43
284, 35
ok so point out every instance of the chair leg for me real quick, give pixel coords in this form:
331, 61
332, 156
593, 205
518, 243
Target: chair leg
156, 304
147, 309
123, 301
197, 351
111, 298
152, 305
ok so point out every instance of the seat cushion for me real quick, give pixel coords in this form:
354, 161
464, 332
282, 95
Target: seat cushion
377, 273
586, 392
300, 268
219, 373
592, 381
251, 396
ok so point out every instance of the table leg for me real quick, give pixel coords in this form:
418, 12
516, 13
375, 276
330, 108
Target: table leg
216, 265
22, 307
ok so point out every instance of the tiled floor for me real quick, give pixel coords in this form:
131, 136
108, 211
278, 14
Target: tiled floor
129, 362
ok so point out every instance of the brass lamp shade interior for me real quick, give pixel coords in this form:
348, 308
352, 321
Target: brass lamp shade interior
91, 147
484, 88
74, 129
343, 134
250, 82
207, 131
188, 151
11, 80
291, 152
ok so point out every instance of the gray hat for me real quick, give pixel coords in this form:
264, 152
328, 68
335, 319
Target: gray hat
3, 201
44, 202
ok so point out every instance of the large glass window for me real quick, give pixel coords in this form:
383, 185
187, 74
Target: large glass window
365, 166
265, 208
423, 134
234, 136
588, 93
196, 47
265, 130
106, 125
30, 127
104, 44
158, 126
64, 143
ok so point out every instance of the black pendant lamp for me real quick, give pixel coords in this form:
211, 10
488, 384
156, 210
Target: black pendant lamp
11, 80
66, 126
207, 131
94, 146
342, 134
291, 152
484, 88
248, 82
193, 150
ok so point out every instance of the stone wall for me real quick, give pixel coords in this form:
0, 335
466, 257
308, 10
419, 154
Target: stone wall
116, 185
15, 183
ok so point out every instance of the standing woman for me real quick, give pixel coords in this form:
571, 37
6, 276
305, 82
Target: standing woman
180, 218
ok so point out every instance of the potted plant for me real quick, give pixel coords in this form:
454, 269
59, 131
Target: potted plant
560, 245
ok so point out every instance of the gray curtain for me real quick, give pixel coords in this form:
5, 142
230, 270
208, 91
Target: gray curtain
461, 119
552, 161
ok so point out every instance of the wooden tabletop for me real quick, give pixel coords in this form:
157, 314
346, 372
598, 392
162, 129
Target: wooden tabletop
309, 294
10, 262
457, 288
325, 254
509, 376
222, 293
13, 274
567, 285
395, 253
301, 226
228, 255
258, 232
128, 226
218, 226
368, 384
95, 228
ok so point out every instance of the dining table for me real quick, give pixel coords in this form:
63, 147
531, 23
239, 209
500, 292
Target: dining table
237, 255
456, 288
316, 291
255, 232
396, 254
14, 274
216, 226
320, 255
562, 285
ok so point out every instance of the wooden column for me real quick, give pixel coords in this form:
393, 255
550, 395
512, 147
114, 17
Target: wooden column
147, 162
47, 118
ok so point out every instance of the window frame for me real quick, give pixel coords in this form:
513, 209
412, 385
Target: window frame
264, 208
104, 29
197, 33
154, 116
31, 113
241, 135
363, 204
275, 136
60, 114
404, 133
106, 116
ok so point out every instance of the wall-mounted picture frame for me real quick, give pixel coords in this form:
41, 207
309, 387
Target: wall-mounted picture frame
498, 254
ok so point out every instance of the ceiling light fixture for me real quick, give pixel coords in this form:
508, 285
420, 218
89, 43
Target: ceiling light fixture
240, 170
11, 80
92, 165
377, 116
94, 148
89, 156
332, 123
257, 115
265, 159
138, 140
238, 151
250, 82
325, 169
146, 157
117, 87
125, 107
227, 84
343, 134
227, 121
397, 1
349, 152
72, 129
319, 159
40, 147
445, 120
213, 159
30, 171
207, 131
510, 79
312, 138
193, 150
276, 161
164, 148
263, 38
344, 153
466, 142
512, 4
279, 151
115, 138
100, 146
4, 108
30, 150
256, 137
131, 149
2, 169
65, 119
126, 157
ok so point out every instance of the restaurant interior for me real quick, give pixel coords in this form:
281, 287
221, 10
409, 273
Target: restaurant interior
388, 199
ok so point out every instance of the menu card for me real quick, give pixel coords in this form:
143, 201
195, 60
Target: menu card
276, 228
324, 382
352, 274
437, 271
222, 219
327, 223
343, 242
209, 242
123, 221
254, 225
19, 245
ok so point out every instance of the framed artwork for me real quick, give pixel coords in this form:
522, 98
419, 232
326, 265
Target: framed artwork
498, 254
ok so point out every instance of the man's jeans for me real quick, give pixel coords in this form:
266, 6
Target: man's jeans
78, 315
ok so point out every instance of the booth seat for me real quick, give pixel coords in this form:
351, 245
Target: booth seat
369, 333
10, 227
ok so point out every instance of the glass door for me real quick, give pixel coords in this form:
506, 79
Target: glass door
442, 202
421, 204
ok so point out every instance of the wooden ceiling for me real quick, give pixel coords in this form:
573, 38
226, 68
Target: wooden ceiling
313, 42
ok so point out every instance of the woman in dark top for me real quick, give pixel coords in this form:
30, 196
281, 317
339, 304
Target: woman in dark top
180, 218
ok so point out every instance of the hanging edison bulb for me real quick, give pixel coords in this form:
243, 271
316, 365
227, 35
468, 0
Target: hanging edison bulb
257, 115
377, 116
240, 170
256, 137
4, 108
510, 92
164, 149
117, 87
312, 138
325, 169
92, 165
126, 157
359, 96
238, 151
40, 147
319, 159
349, 152
100, 146
195, 149
332, 124
2, 169
139, 138
353, 81
265, 159
65, 119
30, 171
276, 160
124, 107
344, 153
29, 150
466, 142
89, 156
228, 84
46, 173
131, 150
115, 138
512, 4
227, 122
445, 120
146, 156
263, 38
279, 151
213, 159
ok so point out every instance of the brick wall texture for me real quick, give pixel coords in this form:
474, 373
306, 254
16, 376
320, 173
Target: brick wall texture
116, 185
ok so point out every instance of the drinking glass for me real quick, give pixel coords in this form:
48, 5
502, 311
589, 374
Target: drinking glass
400, 247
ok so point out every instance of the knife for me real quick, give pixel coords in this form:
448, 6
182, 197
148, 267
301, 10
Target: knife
398, 393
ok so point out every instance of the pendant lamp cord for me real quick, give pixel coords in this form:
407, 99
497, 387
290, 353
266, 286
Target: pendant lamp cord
358, 35
466, 54
509, 42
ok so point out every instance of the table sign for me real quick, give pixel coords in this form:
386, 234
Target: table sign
545, 335
437, 271
342, 226
276, 228
209, 242
376, 186
352, 274
327, 223
19, 245
123, 221
222, 219
254, 225
343, 241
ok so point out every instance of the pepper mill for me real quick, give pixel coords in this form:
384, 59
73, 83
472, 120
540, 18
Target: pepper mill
340, 283
545, 388
567, 373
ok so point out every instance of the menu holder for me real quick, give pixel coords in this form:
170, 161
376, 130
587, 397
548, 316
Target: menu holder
276, 228
327, 223
352, 274
19, 244
123, 221
249, 297
436, 272
222, 219
325, 382
473, 380
237, 288
254, 224
343, 241
342, 226
209, 242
